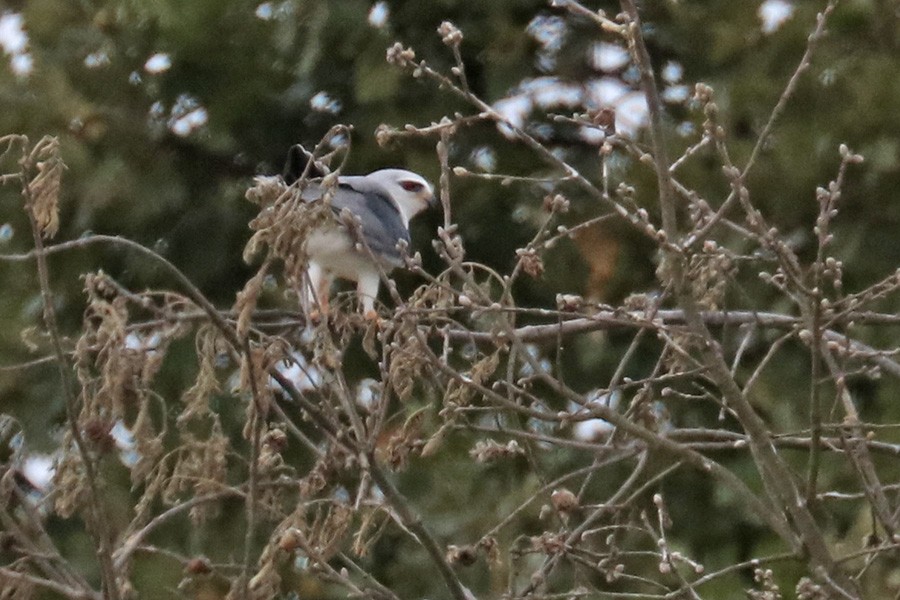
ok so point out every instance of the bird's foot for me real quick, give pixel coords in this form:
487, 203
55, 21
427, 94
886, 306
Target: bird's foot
372, 316
317, 316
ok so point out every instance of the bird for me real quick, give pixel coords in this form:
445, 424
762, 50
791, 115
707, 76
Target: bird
383, 203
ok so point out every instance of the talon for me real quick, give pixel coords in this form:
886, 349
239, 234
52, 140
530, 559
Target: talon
373, 317
317, 315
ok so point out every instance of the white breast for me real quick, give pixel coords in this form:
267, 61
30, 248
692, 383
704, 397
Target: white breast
333, 250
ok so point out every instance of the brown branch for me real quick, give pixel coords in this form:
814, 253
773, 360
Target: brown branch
257, 421
31, 539
133, 542
52, 586
391, 493
99, 526
777, 477
413, 522
652, 438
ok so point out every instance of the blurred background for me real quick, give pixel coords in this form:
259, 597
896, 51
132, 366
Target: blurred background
166, 109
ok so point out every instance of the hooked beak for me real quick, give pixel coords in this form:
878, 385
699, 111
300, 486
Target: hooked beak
433, 201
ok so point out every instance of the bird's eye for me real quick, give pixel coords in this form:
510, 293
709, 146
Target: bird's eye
411, 186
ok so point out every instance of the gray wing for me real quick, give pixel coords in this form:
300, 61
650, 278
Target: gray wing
382, 226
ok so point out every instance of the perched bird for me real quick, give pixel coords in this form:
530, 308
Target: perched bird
383, 202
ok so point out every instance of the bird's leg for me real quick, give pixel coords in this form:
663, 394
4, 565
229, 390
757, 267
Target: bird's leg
322, 292
317, 296
367, 290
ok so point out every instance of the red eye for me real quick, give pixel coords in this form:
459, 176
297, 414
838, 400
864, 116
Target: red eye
411, 186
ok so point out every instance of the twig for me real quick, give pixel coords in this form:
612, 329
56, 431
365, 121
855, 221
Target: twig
412, 521
53, 586
775, 474
99, 525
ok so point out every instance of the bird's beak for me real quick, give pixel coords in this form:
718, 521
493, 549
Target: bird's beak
433, 201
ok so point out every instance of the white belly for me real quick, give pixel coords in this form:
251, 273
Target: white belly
333, 250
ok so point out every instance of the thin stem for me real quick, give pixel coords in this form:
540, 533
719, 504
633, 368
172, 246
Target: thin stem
100, 527
411, 520
775, 474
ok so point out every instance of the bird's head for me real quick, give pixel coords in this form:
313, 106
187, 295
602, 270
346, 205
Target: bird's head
409, 190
